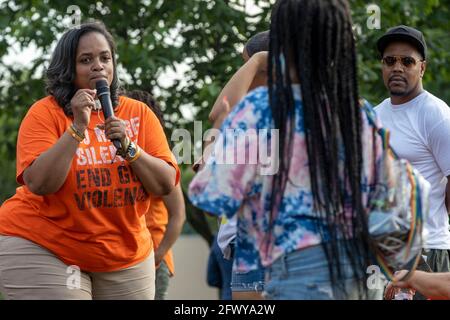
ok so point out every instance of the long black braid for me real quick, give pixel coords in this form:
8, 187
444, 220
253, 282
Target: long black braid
314, 39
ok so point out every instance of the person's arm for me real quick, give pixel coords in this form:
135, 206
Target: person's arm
439, 144
156, 175
447, 196
48, 172
174, 203
212, 136
431, 285
233, 92
221, 186
238, 86
208, 146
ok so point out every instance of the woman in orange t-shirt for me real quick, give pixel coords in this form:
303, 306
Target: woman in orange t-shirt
76, 227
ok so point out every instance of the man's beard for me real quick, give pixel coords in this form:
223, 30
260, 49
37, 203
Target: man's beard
403, 93
398, 92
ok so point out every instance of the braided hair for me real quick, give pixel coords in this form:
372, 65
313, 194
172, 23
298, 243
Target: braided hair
312, 40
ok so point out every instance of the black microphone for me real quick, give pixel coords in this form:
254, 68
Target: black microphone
104, 96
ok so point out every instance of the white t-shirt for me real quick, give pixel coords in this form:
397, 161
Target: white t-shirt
226, 234
420, 133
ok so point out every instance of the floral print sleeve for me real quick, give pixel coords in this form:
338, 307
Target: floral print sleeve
231, 176
229, 173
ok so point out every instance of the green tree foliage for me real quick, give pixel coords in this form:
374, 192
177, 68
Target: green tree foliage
199, 39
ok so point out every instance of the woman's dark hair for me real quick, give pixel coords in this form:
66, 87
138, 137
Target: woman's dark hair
149, 100
314, 38
62, 69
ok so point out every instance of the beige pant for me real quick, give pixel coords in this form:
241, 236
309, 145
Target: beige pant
28, 271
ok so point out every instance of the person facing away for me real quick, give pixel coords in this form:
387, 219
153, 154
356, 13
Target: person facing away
419, 124
244, 285
304, 214
76, 229
165, 217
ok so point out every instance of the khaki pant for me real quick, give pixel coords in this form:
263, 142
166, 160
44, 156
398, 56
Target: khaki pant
29, 271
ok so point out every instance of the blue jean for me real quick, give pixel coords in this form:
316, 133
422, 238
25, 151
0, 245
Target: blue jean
219, 271
304, 275
252, 281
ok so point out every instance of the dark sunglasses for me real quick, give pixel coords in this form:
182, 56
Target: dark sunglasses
406, 61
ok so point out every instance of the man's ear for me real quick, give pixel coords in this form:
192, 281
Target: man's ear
423, 67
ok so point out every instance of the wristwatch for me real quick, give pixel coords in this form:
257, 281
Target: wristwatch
132, 152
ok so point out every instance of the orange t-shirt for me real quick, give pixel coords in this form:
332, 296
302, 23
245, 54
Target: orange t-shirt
96, 220
157, 218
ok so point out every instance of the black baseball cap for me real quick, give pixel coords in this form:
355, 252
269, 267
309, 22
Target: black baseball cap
258, 42
405, 34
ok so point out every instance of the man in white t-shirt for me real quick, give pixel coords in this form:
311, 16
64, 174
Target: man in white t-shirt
419, 124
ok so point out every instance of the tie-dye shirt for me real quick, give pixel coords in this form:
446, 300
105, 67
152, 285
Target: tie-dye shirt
238, 175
